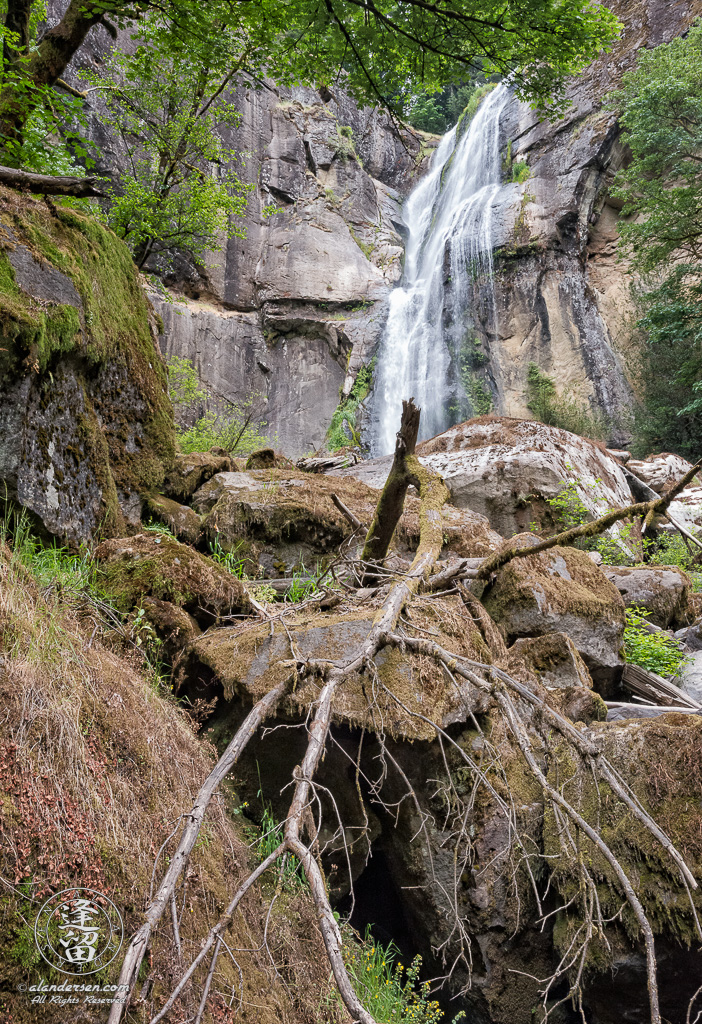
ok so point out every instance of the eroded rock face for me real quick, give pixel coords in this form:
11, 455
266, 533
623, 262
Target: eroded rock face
561, 591
86, 427
291, 312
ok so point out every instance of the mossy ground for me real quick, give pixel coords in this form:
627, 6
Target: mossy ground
96, 769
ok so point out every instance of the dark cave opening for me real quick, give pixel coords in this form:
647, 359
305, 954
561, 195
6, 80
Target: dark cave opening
377, 906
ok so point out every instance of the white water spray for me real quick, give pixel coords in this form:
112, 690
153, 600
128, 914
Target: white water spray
447, 282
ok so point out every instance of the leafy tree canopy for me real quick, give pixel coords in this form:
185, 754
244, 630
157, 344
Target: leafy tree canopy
383, 49
661, 114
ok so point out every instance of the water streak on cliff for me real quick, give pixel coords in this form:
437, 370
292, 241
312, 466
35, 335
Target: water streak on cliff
427, 347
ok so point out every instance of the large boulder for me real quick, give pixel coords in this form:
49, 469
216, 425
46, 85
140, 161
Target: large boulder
285, 519
189, 472
86, 426
561, 591
181, 520
663, 590
660, 472
508, 470
149, 565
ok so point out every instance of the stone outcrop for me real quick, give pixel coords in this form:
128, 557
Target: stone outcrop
508, 470
561, 591
291, 312
563, 296
662, 590
86, 426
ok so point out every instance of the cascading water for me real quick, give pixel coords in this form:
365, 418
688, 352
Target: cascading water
430, 337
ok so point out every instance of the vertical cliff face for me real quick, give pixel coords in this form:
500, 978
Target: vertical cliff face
292, 311
563, 294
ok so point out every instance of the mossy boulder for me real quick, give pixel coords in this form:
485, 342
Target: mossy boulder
174, 627
180, 519
661, 759
663, 590
150, 565
246, 661
189, 472
561, 591
86, 425
292, 520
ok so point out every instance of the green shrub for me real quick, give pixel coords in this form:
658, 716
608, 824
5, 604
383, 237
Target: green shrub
569, 510
238, 430
656, 652
565, 410
347, 411
388, 990
520, 171
478, 394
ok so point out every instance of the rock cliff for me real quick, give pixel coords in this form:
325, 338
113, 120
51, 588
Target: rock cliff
291, 312
563, 295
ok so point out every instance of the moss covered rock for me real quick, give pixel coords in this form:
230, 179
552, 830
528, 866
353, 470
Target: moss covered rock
188, 472
158, 566
561, 590
86, 426
180, 519
291, 519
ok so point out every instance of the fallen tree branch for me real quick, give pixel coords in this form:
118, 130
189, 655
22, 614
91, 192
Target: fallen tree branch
643, 508
137, 947
52, 185
354, 520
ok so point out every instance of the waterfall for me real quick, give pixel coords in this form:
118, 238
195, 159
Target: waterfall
430, 341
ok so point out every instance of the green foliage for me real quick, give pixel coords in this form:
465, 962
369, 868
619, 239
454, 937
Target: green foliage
661, 114
478, 393
565, 410
656, 652
238, 430
520, 171
569, 510
343, 142
514, 170
471, 108
184, 385
390, 991
660, 103
165, 104
668, 368
51, 565
392, 54
347, 411
437, 112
